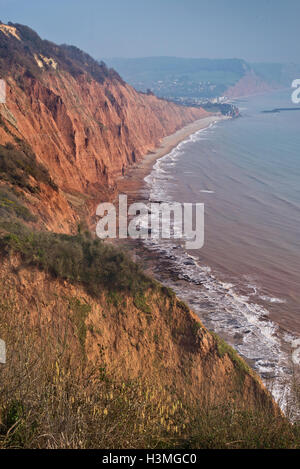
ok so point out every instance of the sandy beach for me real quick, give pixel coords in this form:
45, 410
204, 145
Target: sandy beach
132, 183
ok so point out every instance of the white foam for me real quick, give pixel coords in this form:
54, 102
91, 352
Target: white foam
222, 309
158, 180
237, 317
270, 299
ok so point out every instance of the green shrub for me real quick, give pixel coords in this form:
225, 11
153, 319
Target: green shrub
114, 298
10, 207
140, 303
223, 348
18, 164
196, 326
79, 258
227, 427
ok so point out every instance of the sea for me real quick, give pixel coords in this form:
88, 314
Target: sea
244, 283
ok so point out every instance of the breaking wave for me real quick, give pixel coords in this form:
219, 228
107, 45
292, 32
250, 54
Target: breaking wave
238, 317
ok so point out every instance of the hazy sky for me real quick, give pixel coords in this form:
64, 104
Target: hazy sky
256, 30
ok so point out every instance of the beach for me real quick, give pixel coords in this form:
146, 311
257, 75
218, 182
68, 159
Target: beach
243, 282
133, 181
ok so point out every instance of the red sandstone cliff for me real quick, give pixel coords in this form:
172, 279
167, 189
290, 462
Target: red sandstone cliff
68, 128
83, 123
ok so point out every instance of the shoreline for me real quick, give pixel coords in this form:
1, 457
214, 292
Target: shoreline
132, 183
159, 264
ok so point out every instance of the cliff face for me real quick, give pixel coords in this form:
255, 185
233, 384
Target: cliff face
84, 124
142, 336
121, 369
86, 133
248, 85
68, 128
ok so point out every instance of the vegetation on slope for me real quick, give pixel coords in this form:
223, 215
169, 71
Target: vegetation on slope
19, 167
80, 258
16, 55
52, 397
12, 208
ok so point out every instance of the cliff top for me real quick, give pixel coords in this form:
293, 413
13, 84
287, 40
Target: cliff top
21, 47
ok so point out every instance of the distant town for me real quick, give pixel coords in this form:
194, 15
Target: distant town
220, 104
